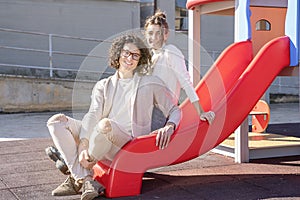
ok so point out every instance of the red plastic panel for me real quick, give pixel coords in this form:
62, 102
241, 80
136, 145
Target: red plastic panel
260, 115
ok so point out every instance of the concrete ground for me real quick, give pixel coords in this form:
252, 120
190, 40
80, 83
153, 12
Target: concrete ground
26, 173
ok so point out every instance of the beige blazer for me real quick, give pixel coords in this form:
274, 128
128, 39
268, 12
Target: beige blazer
150, 91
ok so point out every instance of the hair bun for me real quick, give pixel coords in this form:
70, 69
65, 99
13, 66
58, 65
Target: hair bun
160, 14
159, 18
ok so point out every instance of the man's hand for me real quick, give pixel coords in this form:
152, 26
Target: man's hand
208, 116
164, 135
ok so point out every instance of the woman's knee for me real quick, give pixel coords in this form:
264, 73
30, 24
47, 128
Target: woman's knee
104, 126
57, 118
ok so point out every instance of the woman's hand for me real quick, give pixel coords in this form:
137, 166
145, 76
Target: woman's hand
84, 158
208, 116
163, 136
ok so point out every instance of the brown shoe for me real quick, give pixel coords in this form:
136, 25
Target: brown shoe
69, 187
91, 189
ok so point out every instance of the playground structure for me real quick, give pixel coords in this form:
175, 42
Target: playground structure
258, 22
232, 87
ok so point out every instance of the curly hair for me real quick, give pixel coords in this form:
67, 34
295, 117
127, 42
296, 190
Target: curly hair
159, 18
117, 46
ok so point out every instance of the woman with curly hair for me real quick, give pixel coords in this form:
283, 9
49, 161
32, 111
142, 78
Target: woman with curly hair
120, 110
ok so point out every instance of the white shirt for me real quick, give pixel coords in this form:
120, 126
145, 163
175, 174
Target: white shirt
121, 109
169, 66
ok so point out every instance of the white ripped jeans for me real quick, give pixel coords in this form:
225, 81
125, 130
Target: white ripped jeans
103, 143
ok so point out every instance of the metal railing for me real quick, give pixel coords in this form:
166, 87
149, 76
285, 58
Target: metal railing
48, 51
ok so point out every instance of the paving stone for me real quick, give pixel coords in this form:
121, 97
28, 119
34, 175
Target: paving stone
5, 194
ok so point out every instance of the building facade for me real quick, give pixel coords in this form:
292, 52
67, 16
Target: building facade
52, 39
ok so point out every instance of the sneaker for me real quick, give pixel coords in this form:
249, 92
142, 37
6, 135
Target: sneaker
91, 189
68, 187
60, 164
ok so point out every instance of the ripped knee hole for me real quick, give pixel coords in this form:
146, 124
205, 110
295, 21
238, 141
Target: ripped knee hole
104, 126
58, 118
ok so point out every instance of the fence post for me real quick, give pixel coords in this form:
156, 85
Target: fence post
50, 56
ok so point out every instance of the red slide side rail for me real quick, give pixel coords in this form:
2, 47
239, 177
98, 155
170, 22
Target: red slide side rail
252, 84
229, 88
192, 3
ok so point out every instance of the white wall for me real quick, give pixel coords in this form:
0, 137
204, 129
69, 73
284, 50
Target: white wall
80, 18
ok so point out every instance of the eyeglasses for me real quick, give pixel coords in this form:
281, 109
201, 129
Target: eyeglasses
126, 53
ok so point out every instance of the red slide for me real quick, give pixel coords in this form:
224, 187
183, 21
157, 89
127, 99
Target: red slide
231, 89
